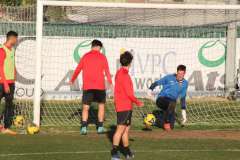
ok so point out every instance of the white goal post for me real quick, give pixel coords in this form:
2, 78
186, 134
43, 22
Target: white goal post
39, 33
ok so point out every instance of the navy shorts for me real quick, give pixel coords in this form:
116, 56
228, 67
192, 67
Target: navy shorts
124, 118
93, 95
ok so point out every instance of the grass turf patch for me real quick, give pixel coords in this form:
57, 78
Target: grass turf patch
75, 147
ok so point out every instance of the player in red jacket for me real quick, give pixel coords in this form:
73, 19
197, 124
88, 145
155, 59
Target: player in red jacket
124, 99
94, 66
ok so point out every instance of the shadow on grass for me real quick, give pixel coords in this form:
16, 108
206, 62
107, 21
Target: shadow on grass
110, 135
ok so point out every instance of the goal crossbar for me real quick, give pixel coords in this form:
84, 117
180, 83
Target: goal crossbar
139, 5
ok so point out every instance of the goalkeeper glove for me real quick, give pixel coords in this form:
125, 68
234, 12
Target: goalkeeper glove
184, 116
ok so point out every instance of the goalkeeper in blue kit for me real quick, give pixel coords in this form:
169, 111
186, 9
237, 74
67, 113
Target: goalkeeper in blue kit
174, 86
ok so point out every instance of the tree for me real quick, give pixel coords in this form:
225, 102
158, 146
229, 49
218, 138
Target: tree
18, 2
28, 2
11, 2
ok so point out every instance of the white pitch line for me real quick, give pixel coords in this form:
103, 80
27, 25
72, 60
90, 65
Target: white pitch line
105, 151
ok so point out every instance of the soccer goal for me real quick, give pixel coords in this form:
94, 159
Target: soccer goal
161, 36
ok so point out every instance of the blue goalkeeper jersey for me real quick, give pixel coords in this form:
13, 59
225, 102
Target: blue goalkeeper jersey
172, 88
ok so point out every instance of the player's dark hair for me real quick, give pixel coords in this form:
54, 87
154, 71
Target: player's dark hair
181, 67
97, 43
12, 34
126, 58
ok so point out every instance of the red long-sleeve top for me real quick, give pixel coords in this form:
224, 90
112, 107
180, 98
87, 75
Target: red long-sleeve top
123, 93
3, 80
94, 66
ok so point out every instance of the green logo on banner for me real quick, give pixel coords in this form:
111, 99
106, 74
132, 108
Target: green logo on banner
211, 63
82, 48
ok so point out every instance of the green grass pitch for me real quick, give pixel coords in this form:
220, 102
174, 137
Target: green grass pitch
72, 146
215, 139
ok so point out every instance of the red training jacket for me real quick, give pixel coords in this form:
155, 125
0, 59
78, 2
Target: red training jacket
123, 92
93, 64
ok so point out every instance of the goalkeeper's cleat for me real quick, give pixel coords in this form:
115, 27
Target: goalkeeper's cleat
115, 155
83, 131
167, 127
101, 130
8, 131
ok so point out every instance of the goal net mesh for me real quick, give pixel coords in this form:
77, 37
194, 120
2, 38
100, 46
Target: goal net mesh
160, 40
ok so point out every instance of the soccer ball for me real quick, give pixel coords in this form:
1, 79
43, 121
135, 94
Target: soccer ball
18, 121
32, 129
149, 120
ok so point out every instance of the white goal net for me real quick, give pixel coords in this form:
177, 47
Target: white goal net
160, 38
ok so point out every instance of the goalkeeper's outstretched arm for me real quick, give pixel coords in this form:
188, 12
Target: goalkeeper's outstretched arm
159, 82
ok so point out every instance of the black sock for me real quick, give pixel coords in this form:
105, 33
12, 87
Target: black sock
100, 124
114, 149
84, 124
126, 150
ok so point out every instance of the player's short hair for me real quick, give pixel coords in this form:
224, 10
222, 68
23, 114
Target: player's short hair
11, 34
126, 58
181, 67
97, 43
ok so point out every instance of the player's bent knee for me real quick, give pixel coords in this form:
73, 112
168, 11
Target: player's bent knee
121, 128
